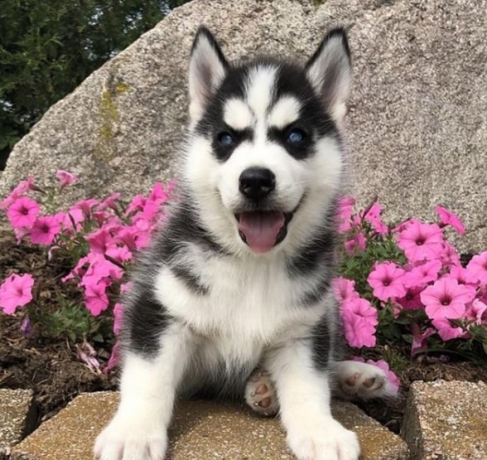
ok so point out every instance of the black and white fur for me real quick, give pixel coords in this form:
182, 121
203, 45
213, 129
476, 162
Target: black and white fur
207, 313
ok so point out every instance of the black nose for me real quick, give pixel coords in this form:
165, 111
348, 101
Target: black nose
257, 183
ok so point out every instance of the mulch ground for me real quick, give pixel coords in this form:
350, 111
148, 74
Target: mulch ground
47, 366
52, 370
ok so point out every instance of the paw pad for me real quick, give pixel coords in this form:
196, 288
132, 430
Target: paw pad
260, 394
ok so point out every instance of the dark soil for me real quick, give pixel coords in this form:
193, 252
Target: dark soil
52, 370
47, 366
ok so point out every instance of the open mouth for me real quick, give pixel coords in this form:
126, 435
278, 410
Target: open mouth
262, 230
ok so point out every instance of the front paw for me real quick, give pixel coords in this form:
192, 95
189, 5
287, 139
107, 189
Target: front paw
323, 440
128, 438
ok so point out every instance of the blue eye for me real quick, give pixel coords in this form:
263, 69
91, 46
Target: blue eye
225, 139
295, 136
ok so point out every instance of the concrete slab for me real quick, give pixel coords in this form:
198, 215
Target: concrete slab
446, 421
17, 418
201, 430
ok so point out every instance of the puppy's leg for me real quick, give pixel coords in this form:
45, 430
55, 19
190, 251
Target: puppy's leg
353, 379
304, 397
148, 388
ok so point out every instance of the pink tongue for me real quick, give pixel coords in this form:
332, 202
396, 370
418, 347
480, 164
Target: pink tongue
261, 229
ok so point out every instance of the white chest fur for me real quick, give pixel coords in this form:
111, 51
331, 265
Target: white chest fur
250, 303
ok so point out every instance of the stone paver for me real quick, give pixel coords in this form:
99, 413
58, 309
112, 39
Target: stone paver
201, 430
17, 418
447, 421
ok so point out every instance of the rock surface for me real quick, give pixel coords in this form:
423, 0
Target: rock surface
447, 421
17, 418
418, 115
201, 430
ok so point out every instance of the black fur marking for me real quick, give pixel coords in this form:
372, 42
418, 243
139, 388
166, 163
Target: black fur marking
183, 227
313, 120
314, 295
145, 319
318, 253
322, 343
313, 255
192, 281
223, 152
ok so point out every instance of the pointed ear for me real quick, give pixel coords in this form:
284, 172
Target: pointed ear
207, 68
329, 71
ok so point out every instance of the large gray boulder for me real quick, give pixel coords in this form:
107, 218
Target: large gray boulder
417, 121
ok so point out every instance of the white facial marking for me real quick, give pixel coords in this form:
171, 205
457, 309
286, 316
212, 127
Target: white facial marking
237, 114
260, 88
285, 112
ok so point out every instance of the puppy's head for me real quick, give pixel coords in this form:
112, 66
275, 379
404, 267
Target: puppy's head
264, 158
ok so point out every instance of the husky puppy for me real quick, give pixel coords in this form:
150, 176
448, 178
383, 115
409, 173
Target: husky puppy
233, 297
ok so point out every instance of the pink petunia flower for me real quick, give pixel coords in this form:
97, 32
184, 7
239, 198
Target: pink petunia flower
402, 225
96, 299
100, 270
411, 300
448, 331
477, 268
151, 210
44, 230
125, 287
111, 201
85, 206
362, 308
119, 253
360, 321
22, 188
386, 281
99, 240
446, 299
359, 332
133, 237
421, 241
345, 211
115, 358
16, 291
449, 256
137, 204
79, 270
70, 221
422, 274
159, 194
355, 244
117, 318
66, 178
457, 272
373, 217
477, 311
449, 218
420, 338
21, 233
344, 289
23, 212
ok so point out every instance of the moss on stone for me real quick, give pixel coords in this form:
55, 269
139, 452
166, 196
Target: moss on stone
109, 117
